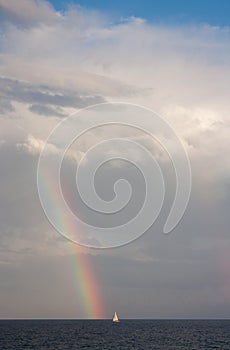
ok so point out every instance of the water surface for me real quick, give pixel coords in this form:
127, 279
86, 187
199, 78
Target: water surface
103, 334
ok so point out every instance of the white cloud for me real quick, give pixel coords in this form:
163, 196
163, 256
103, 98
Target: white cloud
35, 146
181, 72
27, 12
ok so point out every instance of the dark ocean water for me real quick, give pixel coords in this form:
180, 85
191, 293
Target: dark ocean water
128, 334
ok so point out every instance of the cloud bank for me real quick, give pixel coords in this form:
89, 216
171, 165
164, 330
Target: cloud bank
54, 63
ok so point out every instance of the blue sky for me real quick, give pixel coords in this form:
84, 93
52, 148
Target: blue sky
214, 12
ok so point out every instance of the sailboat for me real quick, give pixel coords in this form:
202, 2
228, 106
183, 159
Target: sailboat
115, 318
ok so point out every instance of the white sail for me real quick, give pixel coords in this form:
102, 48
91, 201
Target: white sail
115, 318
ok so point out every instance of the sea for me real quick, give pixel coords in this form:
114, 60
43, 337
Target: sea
103, 334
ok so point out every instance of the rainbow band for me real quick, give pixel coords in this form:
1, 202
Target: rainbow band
85, 281
86, 284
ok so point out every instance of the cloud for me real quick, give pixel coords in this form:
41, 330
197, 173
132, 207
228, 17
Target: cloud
42, 97
35, 146
26, 12
47, 111
5, 105
52, 64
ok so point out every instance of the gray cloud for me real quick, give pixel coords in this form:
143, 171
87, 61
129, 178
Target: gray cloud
26, 13
183, 73
47, 110
5, 105
43, 97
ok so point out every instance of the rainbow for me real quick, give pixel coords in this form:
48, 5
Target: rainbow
86, 283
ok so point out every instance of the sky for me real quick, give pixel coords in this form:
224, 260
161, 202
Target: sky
57, 58
163, 12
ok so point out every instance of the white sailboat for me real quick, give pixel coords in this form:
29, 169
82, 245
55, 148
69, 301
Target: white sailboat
115, 318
